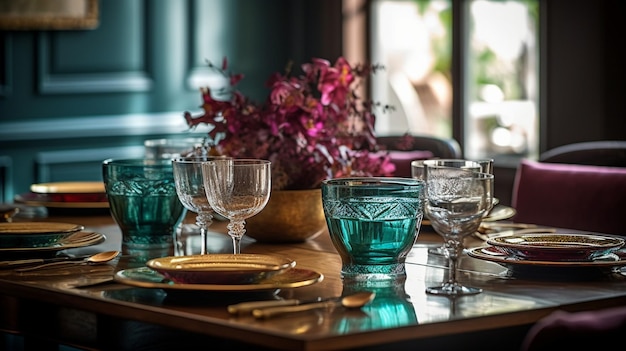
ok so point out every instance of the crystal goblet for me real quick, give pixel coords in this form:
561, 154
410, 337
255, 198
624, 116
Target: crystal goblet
417, 171
237, 189
191, 192
456, 201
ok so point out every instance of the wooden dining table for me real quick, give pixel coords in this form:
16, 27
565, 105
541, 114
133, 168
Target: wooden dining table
82, 306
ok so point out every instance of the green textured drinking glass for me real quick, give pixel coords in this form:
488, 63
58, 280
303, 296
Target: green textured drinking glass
144, 203
373, 223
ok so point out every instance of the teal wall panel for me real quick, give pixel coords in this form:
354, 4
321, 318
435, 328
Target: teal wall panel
5, 65
69, 98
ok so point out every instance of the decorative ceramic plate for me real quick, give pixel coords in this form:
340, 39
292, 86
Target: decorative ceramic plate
50, 201
75, 240
556, 246
220, 268
35, 234
145, 277
493, 254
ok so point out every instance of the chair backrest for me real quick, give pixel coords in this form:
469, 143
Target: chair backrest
406, 148
439, 147
582, 197
594, 153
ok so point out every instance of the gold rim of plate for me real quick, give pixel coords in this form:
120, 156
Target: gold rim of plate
145, 277
68, 188
57, 204
557, 241
219, 263
39, 228
220, 268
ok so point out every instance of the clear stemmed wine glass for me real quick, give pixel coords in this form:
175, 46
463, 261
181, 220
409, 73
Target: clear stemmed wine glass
456, 201
191, 193
237, 189
417, 171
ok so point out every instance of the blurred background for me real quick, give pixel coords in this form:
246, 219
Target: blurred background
506, 79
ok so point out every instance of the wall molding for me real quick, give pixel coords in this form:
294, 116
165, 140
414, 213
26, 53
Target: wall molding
50, 82
49, 162
98, 126
95, 83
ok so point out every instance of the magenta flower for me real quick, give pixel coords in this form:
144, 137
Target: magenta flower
312, 127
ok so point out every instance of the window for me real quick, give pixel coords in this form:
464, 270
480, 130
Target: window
488, 100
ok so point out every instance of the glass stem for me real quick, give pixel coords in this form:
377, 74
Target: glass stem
454, 251
236, 230
452, 263
204, 220
203, 245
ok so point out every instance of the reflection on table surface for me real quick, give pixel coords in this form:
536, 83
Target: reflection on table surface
401, 311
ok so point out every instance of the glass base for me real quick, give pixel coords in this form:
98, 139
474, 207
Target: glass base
449, 289
361, 272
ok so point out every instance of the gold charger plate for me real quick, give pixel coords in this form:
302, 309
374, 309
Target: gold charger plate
68, 187
39, 228
493, 254
145, 277
35, 234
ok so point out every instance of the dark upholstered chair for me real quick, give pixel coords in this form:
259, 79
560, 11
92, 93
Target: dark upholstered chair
405, 148
585, 197
439, 147
570, 331
594, 153
578, 186
581, 197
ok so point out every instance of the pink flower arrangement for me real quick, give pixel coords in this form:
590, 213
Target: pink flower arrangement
312, 127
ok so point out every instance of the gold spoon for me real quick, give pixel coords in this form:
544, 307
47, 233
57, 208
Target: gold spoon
100, 257
8, 214
356, 300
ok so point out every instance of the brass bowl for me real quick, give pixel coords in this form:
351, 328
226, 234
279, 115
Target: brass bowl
289, 216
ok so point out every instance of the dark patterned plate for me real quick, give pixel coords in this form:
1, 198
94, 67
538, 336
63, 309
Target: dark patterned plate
557, 246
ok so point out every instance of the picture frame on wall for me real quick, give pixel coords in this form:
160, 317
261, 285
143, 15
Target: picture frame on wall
49, 15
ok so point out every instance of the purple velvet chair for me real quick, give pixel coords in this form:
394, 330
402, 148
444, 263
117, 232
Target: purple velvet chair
590, 198
584, 197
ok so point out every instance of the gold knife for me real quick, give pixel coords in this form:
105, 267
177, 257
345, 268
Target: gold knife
248, 307
356, 300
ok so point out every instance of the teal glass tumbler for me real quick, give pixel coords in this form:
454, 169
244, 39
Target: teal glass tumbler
143, 201
373, 223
